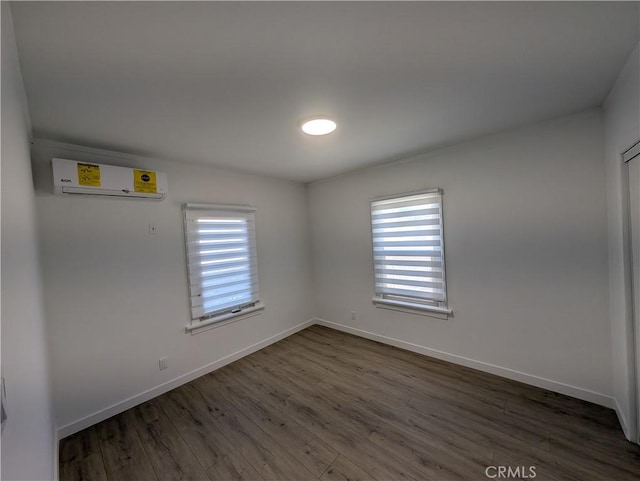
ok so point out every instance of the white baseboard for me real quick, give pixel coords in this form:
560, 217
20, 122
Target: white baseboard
562, 388
56, 456
122, 406
549, 384
623, 420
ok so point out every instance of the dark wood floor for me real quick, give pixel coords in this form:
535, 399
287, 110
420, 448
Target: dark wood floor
326, 405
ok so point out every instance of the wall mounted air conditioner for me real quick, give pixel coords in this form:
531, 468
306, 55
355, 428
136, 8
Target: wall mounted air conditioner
87, 178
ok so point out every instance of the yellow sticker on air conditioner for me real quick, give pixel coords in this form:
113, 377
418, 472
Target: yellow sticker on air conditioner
88, 174
145, 181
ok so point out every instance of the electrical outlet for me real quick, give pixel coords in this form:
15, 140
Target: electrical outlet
162, 364
152, 228
353, 315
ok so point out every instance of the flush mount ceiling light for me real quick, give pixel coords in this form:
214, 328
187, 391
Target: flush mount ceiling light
318, 126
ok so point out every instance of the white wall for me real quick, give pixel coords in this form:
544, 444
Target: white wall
28, 440
622, 128
116, 297
526, 254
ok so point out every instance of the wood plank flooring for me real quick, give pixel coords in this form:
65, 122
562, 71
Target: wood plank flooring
324, 405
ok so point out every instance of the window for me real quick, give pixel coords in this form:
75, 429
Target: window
408, 251
221, 262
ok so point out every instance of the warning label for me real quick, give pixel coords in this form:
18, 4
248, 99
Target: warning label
145, 181
89, 174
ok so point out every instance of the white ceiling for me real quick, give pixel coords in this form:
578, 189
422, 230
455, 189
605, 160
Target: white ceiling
228, 83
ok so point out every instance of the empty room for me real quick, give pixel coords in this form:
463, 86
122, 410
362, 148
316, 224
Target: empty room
291, 241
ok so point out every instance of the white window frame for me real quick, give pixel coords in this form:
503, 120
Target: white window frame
417, 303
203, 317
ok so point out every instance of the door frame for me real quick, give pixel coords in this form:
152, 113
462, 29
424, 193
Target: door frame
632, 152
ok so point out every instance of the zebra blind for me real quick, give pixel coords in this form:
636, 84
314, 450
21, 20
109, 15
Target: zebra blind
221, 259
408, 249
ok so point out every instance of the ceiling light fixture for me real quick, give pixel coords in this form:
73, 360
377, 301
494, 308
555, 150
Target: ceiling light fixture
318, 126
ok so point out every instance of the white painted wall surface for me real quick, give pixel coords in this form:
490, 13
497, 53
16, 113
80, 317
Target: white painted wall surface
526, 253
28, 439
116, 297
622, 128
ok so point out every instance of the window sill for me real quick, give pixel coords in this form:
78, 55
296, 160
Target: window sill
410, 308
224, 319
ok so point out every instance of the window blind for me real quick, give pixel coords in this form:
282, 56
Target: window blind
221, 259
408, 248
